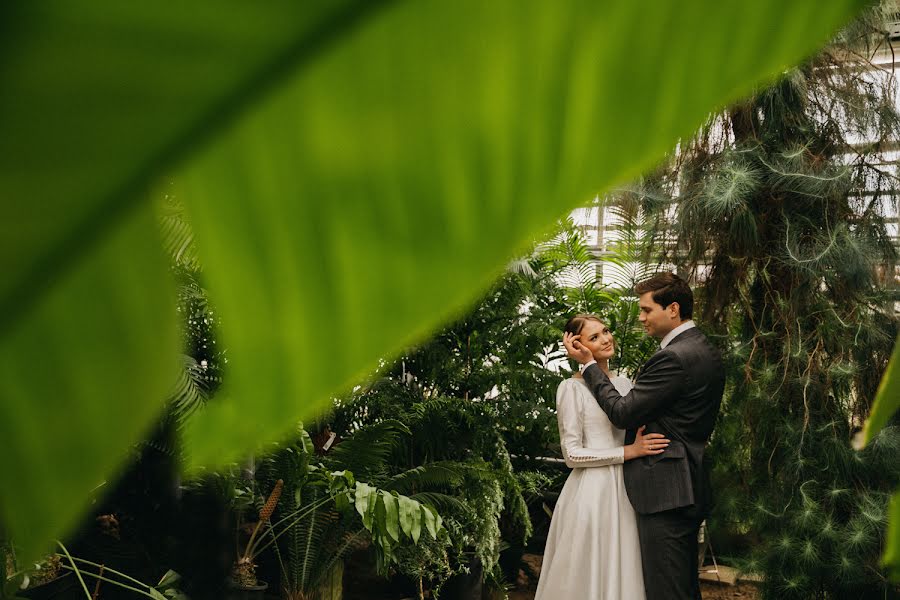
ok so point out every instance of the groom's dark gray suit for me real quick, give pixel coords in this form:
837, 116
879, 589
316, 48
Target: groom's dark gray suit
677, 393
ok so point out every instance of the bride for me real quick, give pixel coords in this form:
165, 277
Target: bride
592, 549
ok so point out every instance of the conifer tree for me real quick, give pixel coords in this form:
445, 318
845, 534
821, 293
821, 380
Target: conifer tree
776, 211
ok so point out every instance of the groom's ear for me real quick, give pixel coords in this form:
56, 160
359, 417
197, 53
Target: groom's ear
674, 310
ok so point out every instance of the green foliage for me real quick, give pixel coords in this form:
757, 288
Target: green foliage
325, 514
453, 457
777, 212
326, 197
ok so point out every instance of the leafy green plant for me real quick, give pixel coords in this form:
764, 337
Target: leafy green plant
324, 514
454, 457
324, 195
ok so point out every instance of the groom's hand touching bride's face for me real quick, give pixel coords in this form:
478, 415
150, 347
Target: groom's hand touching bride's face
575, 349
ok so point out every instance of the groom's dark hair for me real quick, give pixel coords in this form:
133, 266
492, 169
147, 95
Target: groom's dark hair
668, 288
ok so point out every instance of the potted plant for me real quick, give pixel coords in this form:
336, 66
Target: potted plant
243, 583
326, 513
45, 581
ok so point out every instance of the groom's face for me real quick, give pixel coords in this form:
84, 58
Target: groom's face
657, 320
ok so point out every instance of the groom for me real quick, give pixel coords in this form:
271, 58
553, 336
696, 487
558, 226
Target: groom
677, 393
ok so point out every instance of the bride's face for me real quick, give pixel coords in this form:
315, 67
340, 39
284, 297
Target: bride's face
597, 338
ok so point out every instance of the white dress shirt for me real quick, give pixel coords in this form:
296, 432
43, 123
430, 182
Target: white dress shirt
675, 333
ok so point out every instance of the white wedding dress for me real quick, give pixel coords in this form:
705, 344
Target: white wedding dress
592, 549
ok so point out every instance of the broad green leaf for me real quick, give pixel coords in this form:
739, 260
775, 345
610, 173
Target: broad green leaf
892, 550
438, 521
379, 526
887, 400
428, 516
385, 183
416, 526
83, 372
363, 498
169, 579
391, 515
99, 100
307, 442
157, 595
408, 506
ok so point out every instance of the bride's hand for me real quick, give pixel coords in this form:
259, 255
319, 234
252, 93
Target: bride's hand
575, 349
648, 444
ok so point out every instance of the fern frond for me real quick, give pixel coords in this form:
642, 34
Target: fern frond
178, 236
189, 394
431, 476
368, 450
444, 503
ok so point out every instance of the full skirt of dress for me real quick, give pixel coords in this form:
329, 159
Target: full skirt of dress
592, 550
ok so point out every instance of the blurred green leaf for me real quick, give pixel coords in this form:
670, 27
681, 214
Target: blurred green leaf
156, 594
887, 400
82, 374
356, 172
892, 549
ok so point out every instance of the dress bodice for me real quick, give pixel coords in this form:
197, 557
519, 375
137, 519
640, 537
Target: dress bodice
587, 437
597, 430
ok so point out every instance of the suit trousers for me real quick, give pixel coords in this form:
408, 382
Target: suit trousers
669, 553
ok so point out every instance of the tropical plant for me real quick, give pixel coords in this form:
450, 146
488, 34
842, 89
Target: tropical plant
454, 457
325, 514
324, 195
776, 208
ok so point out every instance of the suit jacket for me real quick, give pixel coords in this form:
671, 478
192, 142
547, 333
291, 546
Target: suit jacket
677, 393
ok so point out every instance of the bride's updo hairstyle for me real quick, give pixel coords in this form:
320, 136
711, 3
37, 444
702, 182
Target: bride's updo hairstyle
576, 323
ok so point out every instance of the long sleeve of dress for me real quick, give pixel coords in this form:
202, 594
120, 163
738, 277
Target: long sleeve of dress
571, 426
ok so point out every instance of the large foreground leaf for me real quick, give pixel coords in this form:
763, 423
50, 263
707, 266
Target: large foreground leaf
355, 173
81, 375
383, 186
98, 100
